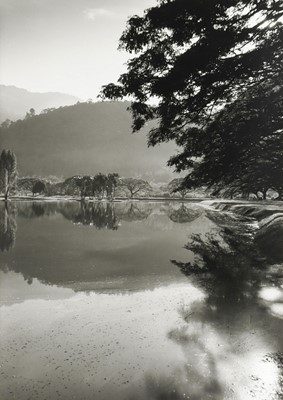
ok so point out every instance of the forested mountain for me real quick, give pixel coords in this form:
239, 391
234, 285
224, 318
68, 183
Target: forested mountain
85, 138
15, 102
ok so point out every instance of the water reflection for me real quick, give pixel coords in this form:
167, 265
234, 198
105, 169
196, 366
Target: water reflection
58, 245
184, 214
201, 332
132, 212
99, 215
227, 262
8, 226
229, 268
35, 209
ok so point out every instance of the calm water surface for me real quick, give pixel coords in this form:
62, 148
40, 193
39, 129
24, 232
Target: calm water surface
135, 301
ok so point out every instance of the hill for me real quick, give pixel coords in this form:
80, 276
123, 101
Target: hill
85, 139
15, 102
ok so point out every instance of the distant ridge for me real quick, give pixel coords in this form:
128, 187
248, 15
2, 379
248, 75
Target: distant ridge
15, 102
85, 138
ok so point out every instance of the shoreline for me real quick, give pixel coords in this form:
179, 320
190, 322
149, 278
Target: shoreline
116, 200
269, 218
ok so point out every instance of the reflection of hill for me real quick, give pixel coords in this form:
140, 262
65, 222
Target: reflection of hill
8, 226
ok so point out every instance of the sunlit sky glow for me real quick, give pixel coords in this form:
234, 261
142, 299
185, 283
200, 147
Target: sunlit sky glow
65, 46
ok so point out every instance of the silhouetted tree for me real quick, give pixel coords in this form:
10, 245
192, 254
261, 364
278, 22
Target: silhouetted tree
111, 184
86, 185
38, 187
5, 124
241, 150
30, 114
8, 172
134, 186
193, 57
175, 186
99, 185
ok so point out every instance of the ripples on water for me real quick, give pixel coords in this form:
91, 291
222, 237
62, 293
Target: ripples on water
135, 301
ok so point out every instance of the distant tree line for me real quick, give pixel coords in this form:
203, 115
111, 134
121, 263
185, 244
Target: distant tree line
99, 186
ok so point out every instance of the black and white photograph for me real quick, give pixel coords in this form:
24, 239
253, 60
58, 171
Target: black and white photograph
141, 200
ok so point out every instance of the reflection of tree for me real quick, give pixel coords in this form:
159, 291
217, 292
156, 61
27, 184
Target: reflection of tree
36, 209
200, 387
278, 359
104, 215
97, 214
226, 261
8, 226
134, 212
230, 270
184, 214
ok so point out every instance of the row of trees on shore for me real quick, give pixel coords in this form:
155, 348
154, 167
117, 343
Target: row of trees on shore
98, 186
257, 180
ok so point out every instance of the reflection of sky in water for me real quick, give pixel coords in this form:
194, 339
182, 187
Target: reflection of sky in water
101, 314
135, 345
273, 300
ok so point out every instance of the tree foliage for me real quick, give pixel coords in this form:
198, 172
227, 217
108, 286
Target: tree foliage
177, 186
99, 185
8, 172
193, 55
196, 58
38, 187
30, 113
133, 186
242, 148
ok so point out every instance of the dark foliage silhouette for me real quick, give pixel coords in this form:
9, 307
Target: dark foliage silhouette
195, 57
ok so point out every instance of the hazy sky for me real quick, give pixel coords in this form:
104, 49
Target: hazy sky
63, 45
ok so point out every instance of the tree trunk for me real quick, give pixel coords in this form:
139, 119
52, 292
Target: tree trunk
6, 193
264, 191
6, 185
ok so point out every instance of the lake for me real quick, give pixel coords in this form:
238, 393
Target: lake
135, 300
